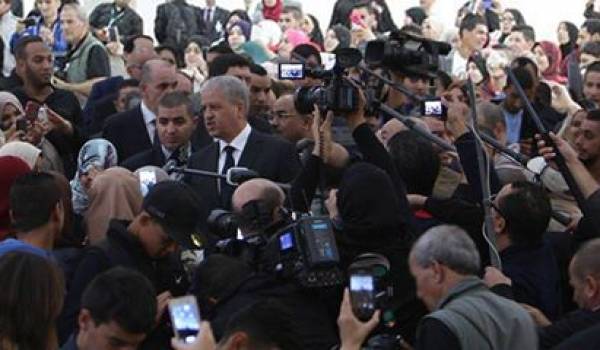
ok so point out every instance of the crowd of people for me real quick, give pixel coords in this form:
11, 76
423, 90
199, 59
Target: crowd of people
137, 168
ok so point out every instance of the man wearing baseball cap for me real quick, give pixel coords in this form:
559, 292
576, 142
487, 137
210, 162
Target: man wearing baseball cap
172, 216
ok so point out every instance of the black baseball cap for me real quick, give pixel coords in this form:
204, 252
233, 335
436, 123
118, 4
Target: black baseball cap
179, 210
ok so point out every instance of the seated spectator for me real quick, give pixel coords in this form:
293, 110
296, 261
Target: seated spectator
548, 58
12, 168
118, 308
521, 40
195, 64
591, 83
37, 214
291, 38
464, 313
31, 300
169, 54
237, 34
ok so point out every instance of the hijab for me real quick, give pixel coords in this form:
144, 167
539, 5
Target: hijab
316, 36
98, 153
573, 32
23, 150
245, 26
343, 36
296, 37
274, 12
8, 98
12, 168
554, 59
114, 194
368, 206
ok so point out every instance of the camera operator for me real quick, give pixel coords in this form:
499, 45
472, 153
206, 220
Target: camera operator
258, 203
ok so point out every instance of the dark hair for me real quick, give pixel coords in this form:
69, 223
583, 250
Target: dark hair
444, 78
220, 65
174, 51
124, 296
294, 10
593, 115
129, 83
33, 197
523, 77
268, 323
176, 99
594, 67
221, 49
416, 14
469, 22
526, 210
306, 51
527, 31
21, 46
258, 70
411, 29
243, 15
592, 26
592, 48
480, 63
518, 16
130, 42
416, 161
31, 298
525, 62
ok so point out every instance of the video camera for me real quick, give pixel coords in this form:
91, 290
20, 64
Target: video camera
304, 251
336, 94
406, 53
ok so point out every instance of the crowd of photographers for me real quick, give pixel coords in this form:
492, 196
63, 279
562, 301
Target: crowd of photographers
247, 180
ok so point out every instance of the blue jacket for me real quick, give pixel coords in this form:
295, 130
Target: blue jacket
60, 48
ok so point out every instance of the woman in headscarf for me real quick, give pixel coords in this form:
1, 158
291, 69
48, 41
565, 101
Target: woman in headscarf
237, 34
24, 151
114, 194
567, 39
11, 111
368, 220
291, 39
94, 157
509, 19
548, 58
271, 9
11, 168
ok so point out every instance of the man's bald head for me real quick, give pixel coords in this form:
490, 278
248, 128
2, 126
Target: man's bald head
257, 189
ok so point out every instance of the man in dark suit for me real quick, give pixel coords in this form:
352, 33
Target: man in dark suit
176, 128
133, 131
226, 103
214, 20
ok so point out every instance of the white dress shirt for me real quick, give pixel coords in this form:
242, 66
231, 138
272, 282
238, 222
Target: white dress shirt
238, 143
149, 120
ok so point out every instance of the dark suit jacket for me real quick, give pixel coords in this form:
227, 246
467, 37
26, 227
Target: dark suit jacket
208, 28
271, 157
153, 156
127, 132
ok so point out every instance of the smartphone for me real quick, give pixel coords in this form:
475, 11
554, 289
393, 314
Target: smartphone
362, 295
147, 180
434, 108
22, 125
31, 110
185, 318
42, 114
291, 71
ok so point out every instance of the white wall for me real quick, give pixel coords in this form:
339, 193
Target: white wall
544, 15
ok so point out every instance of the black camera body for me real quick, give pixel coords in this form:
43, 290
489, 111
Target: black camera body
336, 94
307, 252
407, 54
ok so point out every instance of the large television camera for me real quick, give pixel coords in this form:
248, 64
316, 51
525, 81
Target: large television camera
406, 53
336, 94
304, 251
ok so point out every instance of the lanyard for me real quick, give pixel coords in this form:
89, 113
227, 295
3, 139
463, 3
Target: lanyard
113, 18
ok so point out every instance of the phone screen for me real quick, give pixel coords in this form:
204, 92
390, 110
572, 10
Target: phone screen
113, 34
185, 318
362, 296
147, 180
291, 71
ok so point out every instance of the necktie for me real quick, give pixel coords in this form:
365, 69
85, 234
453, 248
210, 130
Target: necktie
208, 14
226, 189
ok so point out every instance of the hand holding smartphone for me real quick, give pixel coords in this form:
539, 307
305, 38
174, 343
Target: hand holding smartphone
362, 295
185, 318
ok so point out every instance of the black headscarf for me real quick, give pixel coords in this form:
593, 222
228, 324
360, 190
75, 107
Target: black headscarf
316, 36
368, 206
416, 14
343, 35
573, 31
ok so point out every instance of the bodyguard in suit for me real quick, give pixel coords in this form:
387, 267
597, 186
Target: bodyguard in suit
177, 133
225, 100
214, 20
133, 131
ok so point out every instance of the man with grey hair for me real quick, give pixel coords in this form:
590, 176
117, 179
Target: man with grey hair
465, 314
226, 102
87, 62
